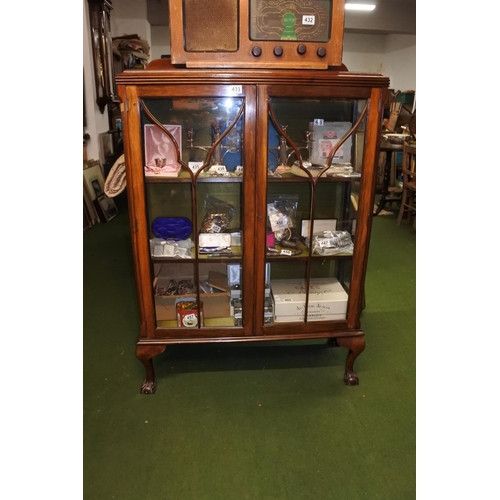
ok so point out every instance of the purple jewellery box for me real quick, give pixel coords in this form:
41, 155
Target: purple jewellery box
172, 228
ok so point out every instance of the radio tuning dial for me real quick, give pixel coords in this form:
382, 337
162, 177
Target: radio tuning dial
278, 51
301, 49
256, 51
321, 52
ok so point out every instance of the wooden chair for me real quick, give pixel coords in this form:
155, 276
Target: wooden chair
408, 198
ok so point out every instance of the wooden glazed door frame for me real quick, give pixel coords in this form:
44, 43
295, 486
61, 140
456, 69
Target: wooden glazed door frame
161, 79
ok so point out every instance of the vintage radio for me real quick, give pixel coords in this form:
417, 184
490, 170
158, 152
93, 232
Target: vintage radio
302, 34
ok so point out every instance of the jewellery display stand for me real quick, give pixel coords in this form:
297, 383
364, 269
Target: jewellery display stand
242, 260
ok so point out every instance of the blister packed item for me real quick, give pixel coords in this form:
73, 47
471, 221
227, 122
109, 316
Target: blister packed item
332, 243
281, 214
171, 248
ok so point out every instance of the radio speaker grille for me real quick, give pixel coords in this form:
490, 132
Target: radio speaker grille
211, 25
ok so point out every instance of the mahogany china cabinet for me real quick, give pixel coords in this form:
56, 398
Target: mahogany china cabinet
251, 195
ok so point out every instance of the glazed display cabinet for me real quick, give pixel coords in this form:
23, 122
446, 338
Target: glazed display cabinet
250, 198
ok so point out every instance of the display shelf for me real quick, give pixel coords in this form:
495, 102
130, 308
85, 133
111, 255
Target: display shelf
250, 123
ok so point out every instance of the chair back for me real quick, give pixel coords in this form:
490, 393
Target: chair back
409, 165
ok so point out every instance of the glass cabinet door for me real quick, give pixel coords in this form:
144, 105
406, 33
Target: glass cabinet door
315, 169
194, 161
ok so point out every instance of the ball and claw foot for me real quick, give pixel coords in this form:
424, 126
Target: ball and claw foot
351, 379
148, 387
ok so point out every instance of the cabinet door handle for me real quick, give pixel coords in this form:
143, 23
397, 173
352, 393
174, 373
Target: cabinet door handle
259, 217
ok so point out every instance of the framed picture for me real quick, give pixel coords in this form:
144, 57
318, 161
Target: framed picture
93, 178
106, 208
89, 207
105, 147
160, 152
97, 187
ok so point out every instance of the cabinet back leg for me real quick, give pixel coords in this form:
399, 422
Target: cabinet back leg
356, 346
145, 353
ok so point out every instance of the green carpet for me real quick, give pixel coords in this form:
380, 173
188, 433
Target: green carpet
249, 421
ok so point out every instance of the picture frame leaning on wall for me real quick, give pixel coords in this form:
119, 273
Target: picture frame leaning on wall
93, 178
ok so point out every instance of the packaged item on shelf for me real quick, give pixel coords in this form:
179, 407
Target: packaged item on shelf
332, 243
234, 279
214, 240
327, 300
326, 136
236, 238
218, 215
187, 313
281, 214
171, 248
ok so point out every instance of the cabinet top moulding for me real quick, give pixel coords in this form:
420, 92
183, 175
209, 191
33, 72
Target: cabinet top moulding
162, 72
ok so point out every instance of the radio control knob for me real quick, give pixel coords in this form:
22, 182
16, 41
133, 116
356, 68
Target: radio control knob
278, 51
301, 49
256, 51
321, 52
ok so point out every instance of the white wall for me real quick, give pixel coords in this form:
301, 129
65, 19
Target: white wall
401, 61
160, 38
391, 55
129, 17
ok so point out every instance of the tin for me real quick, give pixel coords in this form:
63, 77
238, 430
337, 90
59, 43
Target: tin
187, 313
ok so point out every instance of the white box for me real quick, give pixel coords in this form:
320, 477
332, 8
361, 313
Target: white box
320, 225
327, 300
310, 319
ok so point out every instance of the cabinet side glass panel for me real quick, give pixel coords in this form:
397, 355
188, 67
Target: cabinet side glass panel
194, 209
315, 155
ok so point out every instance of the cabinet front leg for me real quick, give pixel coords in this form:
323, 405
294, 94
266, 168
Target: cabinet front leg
356, 346
145, 353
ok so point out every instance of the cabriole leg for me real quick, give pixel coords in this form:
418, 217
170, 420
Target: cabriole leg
145, 353
356, 346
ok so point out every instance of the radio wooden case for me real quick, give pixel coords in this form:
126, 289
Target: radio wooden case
295, 34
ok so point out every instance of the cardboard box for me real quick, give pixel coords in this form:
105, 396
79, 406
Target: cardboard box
215, 305
320, 317
327, 300
320, 225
